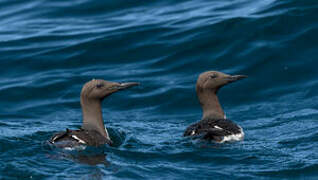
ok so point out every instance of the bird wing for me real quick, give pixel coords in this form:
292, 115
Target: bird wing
212, 128
78, 137
58, 136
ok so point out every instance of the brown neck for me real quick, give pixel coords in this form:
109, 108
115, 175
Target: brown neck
92, 116
210, 105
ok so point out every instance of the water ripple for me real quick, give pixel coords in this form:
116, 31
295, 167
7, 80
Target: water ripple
49, 49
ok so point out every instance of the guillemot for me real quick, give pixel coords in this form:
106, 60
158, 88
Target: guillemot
93, 131
214, 125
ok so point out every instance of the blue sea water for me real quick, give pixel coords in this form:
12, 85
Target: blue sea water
49, 49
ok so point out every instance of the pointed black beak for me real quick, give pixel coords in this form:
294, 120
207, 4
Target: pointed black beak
236, 77
125, 85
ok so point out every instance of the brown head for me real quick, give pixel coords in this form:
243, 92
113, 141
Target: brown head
98, 89
207, 87
92, 94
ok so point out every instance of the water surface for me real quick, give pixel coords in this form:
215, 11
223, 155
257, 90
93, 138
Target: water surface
50, 49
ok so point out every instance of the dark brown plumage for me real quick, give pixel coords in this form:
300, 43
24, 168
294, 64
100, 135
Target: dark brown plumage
93, 131
214, 125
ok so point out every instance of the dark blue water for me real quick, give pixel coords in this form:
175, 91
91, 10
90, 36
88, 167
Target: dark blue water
49, 49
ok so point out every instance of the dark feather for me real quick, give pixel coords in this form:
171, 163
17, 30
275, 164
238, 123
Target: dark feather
91, 138
210, 129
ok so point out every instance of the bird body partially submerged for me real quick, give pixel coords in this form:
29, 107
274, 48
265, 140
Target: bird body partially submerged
79, 137
93, 131
214, 126
218, 130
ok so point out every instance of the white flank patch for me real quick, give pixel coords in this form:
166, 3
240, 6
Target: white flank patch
233, 137
107, 133
68, 148
54, 139
218, 127
78, 139
75, 148
192, 133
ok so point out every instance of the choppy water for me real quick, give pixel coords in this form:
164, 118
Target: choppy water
49, 49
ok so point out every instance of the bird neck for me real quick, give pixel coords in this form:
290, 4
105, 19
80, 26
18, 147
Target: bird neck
92, 116
210, 105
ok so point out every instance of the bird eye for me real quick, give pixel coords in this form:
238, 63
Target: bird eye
99, 85
213, 76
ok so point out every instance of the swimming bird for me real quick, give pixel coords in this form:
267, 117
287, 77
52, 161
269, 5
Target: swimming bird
93, 131
214, 125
